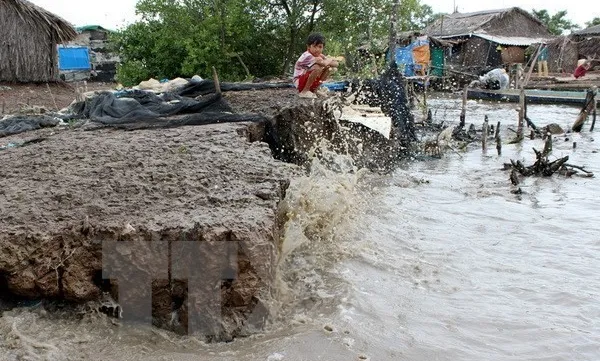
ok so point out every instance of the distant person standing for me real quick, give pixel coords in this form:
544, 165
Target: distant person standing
542, 61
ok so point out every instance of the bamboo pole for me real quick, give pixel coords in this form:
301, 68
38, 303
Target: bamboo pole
526, 80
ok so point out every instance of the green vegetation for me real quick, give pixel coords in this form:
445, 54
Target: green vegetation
557, 23
595, 21
248, 38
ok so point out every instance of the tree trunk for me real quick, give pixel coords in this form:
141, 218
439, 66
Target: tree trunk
393, 34
291, 50
311, 24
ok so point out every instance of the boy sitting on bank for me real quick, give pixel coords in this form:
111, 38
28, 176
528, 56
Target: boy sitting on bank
313, 67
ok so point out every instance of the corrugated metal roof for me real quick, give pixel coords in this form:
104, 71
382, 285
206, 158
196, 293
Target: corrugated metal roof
511, 40
503, 40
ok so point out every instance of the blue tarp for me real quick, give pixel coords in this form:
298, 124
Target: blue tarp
405, 57
73, 58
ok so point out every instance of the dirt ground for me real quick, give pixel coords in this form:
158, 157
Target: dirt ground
51, 96
57, 96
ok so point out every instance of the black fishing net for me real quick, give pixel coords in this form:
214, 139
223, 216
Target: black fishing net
145, 107
133, 110
22, 123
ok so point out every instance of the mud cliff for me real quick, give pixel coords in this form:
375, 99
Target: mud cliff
66, 195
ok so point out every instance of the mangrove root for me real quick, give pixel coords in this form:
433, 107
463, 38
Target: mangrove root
543, 167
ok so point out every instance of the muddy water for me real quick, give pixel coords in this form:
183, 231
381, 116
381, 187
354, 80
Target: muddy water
438, 261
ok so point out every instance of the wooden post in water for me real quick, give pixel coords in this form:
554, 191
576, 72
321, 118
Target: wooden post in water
497, 132
463, 112
521, 114
590, 101
499, 144
548, 145
425, 86
595, 107
484, 133
3, 105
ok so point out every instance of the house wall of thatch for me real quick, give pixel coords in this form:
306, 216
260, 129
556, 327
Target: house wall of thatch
29, 38
589, 46
562, 55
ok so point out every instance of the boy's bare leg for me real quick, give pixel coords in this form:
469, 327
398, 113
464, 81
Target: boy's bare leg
314, 74
326, 74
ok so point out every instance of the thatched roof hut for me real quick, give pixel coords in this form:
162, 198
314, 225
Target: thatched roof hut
565, 51
588, 41
489, 38
503, 23
30, 35
592, 30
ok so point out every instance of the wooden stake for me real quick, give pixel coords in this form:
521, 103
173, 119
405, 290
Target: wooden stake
587, 108
425, 96
463, 112
497, 132
521, 114
595, 107
484, 134
216, 80
548, 145
499, 145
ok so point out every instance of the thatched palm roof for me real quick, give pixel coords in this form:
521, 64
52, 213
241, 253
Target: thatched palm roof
592, 30
459, 24
51, 24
